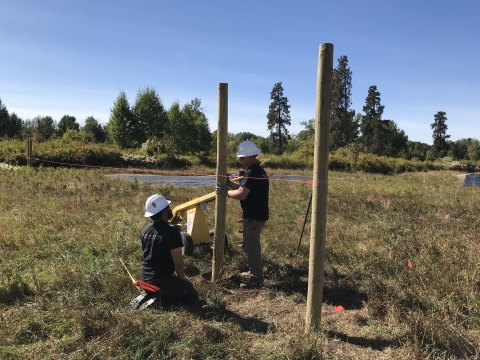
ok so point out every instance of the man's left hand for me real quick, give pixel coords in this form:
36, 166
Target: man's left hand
222, 189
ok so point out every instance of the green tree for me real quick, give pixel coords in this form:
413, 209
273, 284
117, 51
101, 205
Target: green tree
92, 126
67, 122
278, 118
343, 127
188, 128
395, 140
151, 114
373, 137
309, 128
439, 127
474, 150
15, 126
417, 149
123, 125
200, 137
4, 120
458, 150
175, 129
45, 126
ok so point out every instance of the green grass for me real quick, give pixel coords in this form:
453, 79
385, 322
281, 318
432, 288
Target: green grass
64, 294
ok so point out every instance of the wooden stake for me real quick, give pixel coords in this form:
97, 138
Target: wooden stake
29, 152
221, 200
319, 188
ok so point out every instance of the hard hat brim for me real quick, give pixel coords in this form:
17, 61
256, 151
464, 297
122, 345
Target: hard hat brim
258, 151
149, 214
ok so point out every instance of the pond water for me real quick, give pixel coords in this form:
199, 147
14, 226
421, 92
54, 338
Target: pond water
186, 180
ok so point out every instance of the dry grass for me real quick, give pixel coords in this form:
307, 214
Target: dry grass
64, 293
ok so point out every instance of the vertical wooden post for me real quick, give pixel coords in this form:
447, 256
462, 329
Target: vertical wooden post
221, 200
319, 188
29, 152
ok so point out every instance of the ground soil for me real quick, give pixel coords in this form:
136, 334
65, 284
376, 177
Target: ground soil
271, 319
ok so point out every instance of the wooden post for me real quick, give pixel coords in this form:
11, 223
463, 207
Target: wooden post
221, 200
319, 188
29, 152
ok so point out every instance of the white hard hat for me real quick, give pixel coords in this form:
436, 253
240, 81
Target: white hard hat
247, 148
155, 204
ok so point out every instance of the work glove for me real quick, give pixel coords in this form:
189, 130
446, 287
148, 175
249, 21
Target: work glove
222, 189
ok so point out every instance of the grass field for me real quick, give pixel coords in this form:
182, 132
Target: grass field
64, 293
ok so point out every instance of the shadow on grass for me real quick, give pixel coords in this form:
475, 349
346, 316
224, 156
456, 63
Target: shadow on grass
337, 289
14, 292
219, 313
374, 344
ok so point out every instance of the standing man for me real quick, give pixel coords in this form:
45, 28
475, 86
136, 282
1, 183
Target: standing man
252, 191
162, 255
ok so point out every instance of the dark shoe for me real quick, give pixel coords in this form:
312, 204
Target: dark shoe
251, 284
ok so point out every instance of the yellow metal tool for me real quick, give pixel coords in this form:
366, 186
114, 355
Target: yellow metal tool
191, 219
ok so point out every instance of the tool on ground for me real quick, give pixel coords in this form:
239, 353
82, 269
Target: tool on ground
304, 222
139, 284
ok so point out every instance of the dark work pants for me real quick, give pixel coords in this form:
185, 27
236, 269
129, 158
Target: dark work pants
176, 291
252, 247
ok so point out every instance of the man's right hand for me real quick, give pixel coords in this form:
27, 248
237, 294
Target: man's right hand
222, 189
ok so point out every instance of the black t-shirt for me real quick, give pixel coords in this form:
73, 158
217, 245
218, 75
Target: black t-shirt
255, 205
158, 238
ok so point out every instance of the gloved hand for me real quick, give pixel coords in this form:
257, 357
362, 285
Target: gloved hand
222, 189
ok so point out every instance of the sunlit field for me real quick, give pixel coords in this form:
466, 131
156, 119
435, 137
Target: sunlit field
402, 259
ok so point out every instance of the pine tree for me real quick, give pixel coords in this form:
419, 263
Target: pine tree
343, 126
123, 126
439, 126
373, 137
278, 118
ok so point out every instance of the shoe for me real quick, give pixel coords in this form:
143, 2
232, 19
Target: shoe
251, 284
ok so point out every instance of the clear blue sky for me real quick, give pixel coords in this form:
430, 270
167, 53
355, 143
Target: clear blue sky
74, 57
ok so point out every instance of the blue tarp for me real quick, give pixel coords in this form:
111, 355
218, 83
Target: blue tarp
471, 180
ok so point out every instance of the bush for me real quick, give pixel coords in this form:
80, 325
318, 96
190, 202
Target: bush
77, 150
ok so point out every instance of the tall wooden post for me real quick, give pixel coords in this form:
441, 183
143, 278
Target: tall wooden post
319, 188
29, 152
221, 200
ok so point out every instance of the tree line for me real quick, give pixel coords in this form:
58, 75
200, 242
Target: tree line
366, 132
147, 124
181, 130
